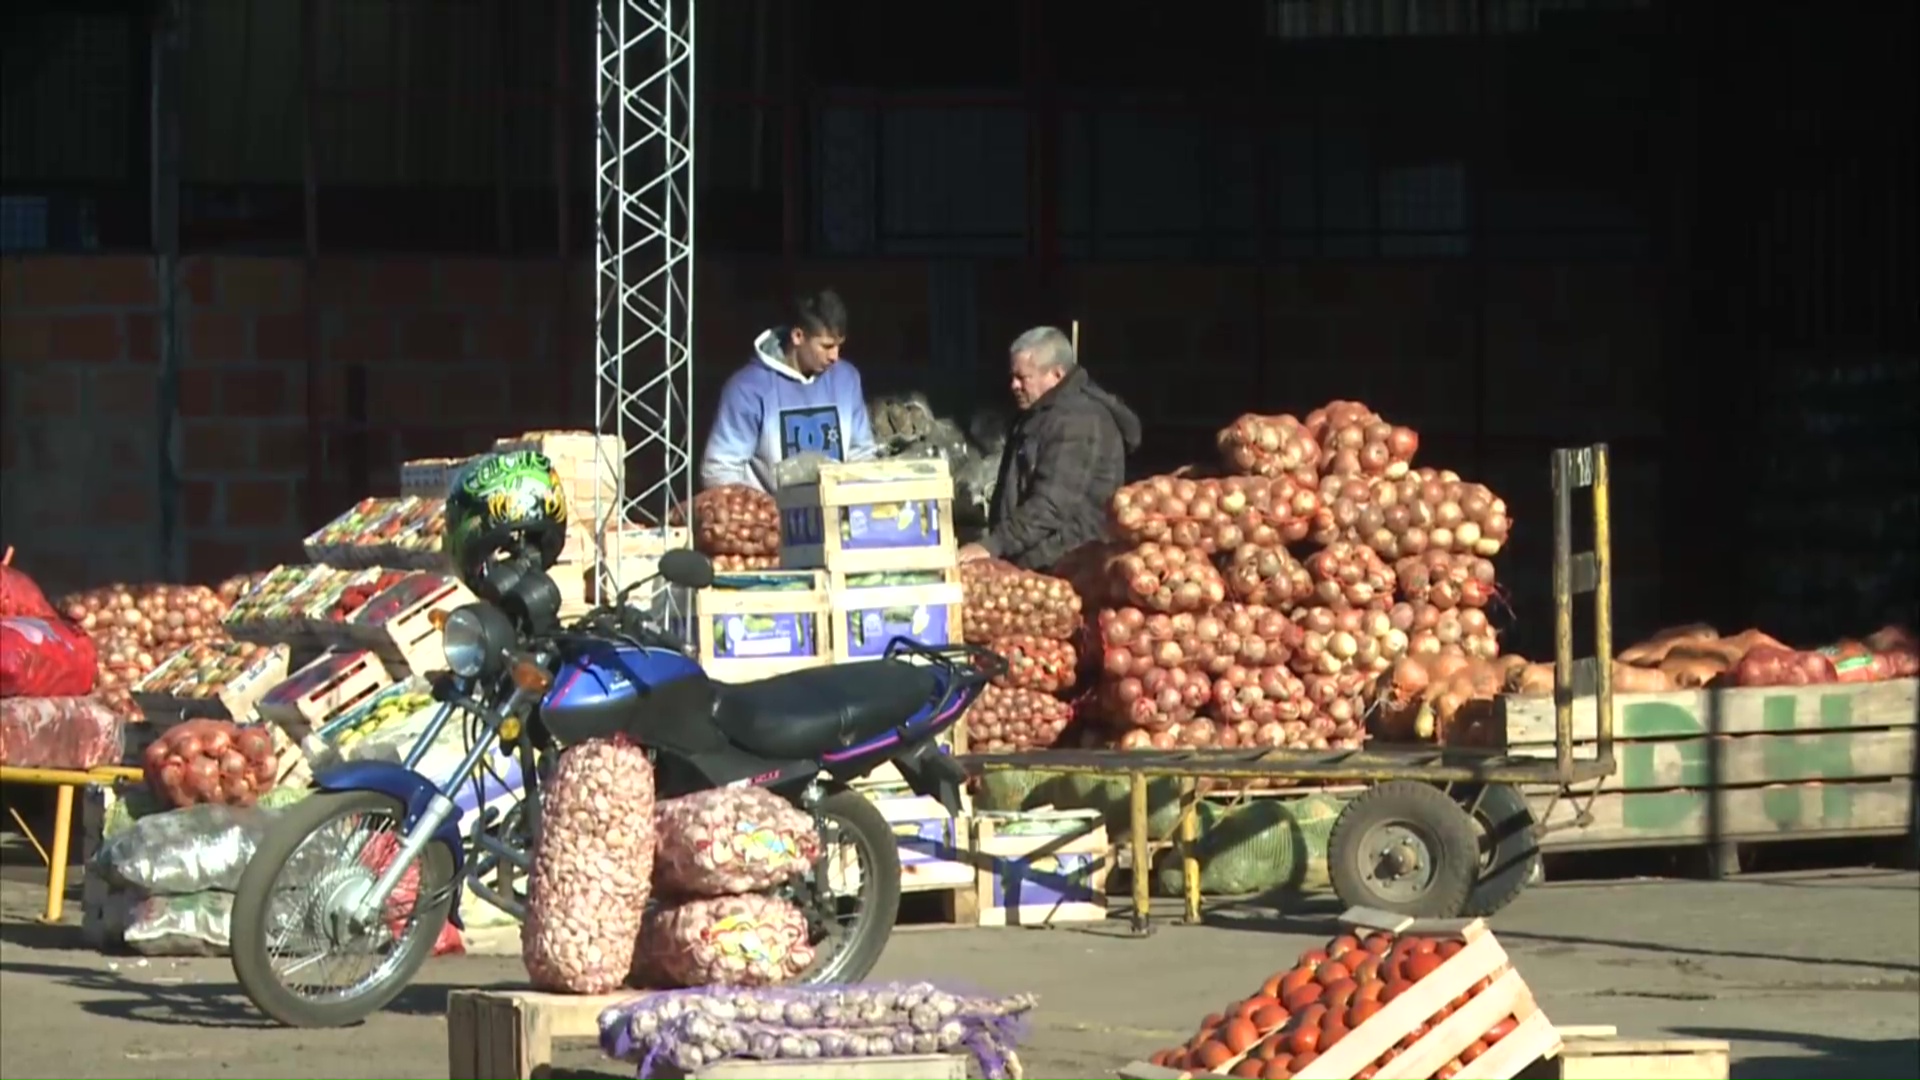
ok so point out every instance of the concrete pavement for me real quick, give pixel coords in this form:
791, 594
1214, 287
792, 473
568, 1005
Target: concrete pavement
1809, 975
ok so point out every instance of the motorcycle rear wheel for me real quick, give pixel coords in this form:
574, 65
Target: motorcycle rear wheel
253, 921
855, 816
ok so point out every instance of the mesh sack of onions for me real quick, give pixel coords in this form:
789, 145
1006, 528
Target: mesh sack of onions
1350, 575
748, 940
1215, 514
210, 761
1036, 663
592, 869
1003, 720
1134, 642
1269, 446
729, 840
740, 564
1356, 441
732, 519
1088, 569
1446, 580
1156, 698
1261, 695
1427, 697
1434, 510
1002, 599
1434, 631
1161, 577
1267, 574
1348, 640
691, 1029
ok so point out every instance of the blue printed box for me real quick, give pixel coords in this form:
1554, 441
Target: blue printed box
1041, 867
870, 516
866, 619
750, 626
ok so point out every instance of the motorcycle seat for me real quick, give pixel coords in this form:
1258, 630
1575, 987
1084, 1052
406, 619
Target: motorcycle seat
804, 714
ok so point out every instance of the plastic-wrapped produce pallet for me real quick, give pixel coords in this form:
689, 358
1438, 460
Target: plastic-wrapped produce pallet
1752, 764
509, 1034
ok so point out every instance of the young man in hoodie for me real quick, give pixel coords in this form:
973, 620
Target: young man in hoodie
796, 395
1065, 457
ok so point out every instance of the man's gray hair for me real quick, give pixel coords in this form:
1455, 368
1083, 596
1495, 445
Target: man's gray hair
1050, 347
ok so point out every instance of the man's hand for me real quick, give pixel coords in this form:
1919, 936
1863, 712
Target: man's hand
974, 553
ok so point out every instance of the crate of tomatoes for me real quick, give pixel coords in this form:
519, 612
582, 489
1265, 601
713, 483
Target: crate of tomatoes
1389, 999
396, 624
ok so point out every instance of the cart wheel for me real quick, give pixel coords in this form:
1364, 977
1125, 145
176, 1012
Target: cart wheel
1407, 848
1509, 852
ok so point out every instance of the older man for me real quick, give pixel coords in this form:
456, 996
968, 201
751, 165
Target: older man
1065, 457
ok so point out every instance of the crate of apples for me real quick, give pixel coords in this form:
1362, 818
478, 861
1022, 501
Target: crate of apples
1395, 1002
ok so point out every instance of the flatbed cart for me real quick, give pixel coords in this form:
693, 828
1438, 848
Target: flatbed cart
1440, 831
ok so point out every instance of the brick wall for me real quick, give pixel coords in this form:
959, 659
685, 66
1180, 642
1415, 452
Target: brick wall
454, 352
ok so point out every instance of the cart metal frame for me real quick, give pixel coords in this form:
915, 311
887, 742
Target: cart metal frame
1448, 767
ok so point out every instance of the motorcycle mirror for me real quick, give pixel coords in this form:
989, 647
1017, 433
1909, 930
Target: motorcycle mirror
687, 568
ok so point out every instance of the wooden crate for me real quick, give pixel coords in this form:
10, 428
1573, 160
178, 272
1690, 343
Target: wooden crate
751, 626
933, 844
870, 516
591, 467
336, 681
632, 553
1041, 867
864, 620
397, 625
234, 700
1596, 1053
429, 478
508, 1035
1482, 957
1735, 765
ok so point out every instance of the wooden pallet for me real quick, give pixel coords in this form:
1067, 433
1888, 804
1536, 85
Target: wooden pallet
1594, 1053
508, 1035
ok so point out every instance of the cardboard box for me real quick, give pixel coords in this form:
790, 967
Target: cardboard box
1041, 867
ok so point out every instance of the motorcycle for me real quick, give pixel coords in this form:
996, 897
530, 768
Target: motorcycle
528, 687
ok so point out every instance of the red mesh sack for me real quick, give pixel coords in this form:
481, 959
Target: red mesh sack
41, 656
20, 596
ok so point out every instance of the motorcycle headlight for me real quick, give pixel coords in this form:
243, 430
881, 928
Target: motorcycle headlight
474, 639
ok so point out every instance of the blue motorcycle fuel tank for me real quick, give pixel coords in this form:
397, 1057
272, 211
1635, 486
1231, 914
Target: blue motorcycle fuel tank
604, 676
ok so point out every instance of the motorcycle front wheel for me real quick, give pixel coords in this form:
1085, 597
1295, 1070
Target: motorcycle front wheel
292, 923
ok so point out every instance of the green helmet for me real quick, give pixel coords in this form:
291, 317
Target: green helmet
510, 503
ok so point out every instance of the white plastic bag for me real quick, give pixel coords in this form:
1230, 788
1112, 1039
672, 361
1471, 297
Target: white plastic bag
195, 924
184, 851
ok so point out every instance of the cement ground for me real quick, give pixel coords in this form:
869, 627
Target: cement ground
1808, 975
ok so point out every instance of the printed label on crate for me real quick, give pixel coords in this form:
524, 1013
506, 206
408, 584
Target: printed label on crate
879, 526
868, 630
800, 526
759, 637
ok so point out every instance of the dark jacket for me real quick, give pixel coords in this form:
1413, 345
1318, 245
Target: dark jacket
1065, 458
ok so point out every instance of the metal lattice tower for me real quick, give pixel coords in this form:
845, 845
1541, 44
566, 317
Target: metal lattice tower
643, 285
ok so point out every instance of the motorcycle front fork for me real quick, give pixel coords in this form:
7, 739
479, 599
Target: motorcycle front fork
369, 907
